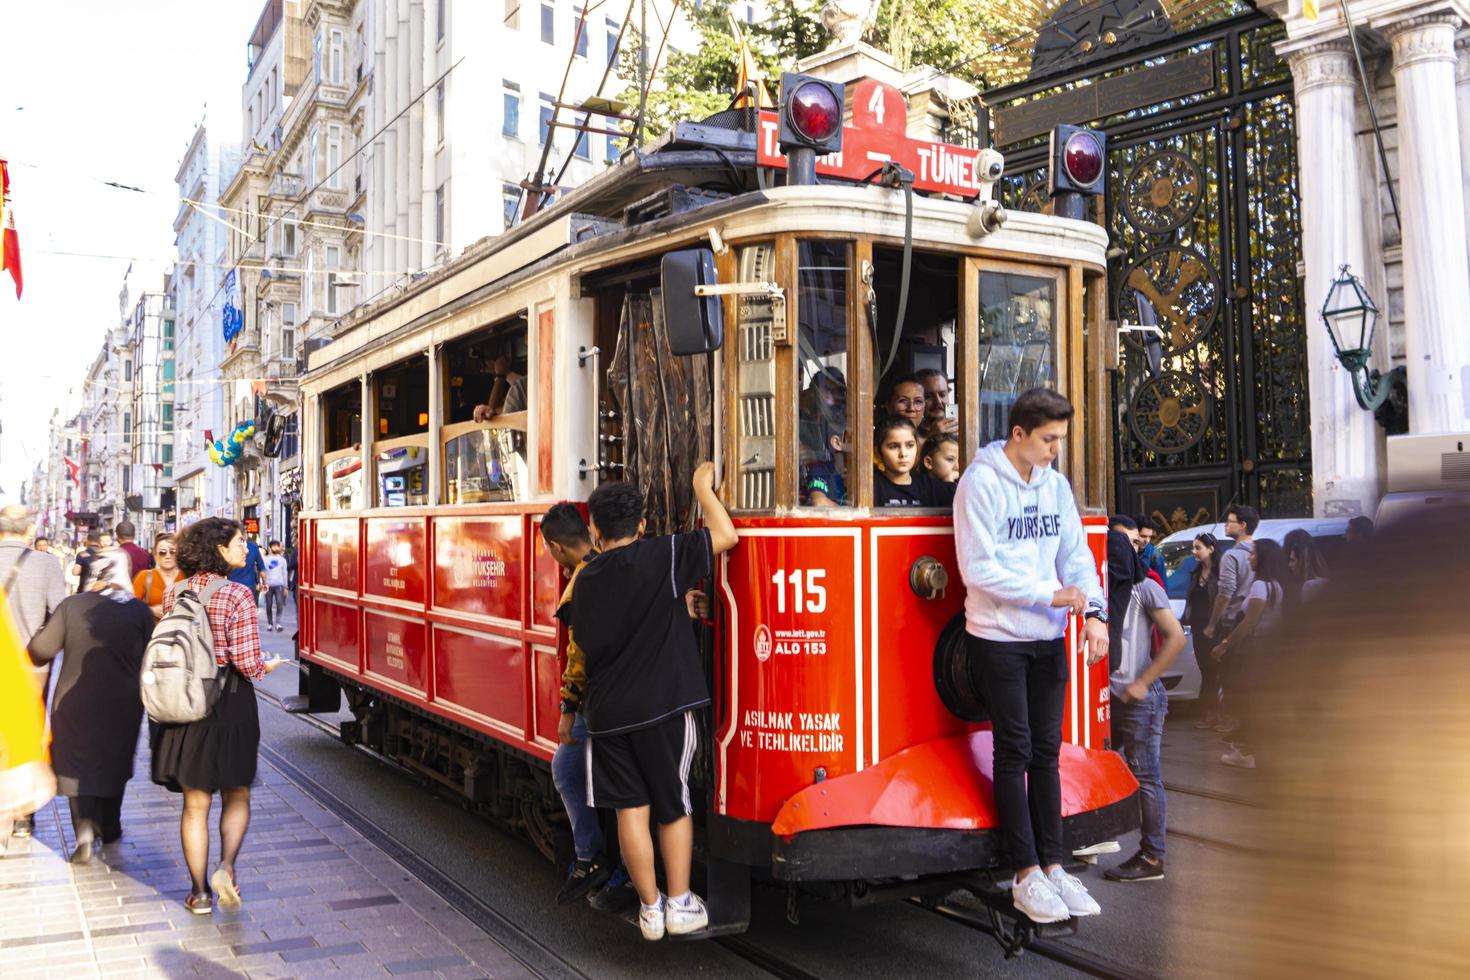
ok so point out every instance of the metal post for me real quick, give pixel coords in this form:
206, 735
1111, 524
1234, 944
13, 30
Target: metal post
642, 75
801, 166
1068, 204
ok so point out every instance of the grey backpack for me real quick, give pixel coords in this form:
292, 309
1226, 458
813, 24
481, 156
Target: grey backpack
180, 679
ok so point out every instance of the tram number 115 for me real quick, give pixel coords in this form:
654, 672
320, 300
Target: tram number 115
808, 594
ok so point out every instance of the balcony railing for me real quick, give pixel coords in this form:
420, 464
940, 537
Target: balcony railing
287, 185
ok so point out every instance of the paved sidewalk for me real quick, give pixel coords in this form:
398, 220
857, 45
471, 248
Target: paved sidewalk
320, 900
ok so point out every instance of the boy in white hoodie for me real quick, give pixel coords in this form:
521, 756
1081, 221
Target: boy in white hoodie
1024, 558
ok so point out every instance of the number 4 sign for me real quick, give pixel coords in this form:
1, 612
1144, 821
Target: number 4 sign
877, 135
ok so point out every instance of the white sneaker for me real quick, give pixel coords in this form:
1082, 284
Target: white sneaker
1238, 759
1037, 899
1073, 893
681, 920
651, 921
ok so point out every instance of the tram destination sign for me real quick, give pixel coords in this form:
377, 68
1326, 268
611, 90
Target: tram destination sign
1113, 96
877, 135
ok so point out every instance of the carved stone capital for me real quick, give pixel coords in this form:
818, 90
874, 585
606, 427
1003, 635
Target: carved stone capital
1326, 64
1462, 62
1417, 40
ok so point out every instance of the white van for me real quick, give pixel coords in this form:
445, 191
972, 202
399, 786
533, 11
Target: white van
1182, 680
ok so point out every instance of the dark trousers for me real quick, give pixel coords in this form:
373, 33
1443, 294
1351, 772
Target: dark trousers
97, 816
1025, 686
1211, 672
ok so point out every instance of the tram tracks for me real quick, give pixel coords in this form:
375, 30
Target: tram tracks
1075, 959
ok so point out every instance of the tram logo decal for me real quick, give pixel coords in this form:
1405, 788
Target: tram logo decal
763, 643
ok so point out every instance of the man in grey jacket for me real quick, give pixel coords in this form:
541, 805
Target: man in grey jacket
34, 586
1235, 581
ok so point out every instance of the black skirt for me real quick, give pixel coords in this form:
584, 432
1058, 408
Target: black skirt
215, 753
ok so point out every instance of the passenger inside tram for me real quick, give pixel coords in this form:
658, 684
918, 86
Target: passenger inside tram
941, 456
484, 435
401, 451
822, 430
342, 445
898, 480
937, 417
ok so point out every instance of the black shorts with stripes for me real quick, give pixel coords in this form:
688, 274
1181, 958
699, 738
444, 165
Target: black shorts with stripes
645, 767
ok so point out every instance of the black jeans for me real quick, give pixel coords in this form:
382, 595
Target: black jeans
1025, 686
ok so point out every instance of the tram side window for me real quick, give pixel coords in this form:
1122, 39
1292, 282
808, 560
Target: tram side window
401, 445
342, 459
1016, 350
486, 398
915, 449
824, 443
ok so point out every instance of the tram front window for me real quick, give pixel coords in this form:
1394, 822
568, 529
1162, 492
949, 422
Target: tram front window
822, 428
1016, 350
401, 450
486, 399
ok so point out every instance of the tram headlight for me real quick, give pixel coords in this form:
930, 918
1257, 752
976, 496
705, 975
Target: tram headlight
811, 114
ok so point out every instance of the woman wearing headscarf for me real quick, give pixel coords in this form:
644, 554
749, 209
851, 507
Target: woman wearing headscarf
96, 708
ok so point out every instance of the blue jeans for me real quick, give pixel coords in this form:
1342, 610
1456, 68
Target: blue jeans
569, 772
1138, 729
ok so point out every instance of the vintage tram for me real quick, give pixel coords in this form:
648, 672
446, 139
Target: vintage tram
846, 746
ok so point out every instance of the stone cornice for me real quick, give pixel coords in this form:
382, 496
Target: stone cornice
1417, 40
1322, 64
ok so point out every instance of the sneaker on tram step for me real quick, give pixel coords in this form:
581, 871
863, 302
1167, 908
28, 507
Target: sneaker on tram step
651, 920
685, 917
1140, 867
1227, 725
1238, 759
586, 874
1073, 893
1036, 898
617, 896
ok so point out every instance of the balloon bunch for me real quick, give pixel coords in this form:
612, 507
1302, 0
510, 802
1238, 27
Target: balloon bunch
225, 452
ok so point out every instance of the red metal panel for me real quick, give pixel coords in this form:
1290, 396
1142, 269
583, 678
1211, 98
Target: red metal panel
396, 552
546, 582
397, 650
481, 675
478, 566
335, 563
547, 691
338, 633
1087, 719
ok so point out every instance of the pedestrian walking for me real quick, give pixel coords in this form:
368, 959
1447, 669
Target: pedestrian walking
218, 753
1305, 566
1026, 565
1199, 603
1147, 549
34, 587
1233, 584
276, 580
1139, 701
138, 557
248, 573
152, 585
26, 781
1247, 650
96, 711
95, 543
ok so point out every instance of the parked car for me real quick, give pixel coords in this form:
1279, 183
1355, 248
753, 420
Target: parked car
1182, 680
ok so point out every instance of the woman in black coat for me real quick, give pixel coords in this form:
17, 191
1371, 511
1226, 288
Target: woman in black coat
96, 709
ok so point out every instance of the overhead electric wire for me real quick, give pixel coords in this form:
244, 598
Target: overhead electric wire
606, 73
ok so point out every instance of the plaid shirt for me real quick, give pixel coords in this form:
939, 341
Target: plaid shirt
236, 624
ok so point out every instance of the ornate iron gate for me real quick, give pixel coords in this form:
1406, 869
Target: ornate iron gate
1202, 211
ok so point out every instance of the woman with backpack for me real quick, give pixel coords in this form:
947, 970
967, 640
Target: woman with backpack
152, 584
216, 754
1246, 644
96, 709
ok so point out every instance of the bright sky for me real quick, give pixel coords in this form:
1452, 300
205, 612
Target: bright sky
92, 91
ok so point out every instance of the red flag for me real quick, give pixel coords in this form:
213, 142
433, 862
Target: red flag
72, 469
10, 251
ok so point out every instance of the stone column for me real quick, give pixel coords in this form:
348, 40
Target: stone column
1345, 439
1462, 99
1432, 199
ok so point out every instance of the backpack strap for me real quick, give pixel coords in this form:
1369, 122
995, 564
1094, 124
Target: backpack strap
9, 586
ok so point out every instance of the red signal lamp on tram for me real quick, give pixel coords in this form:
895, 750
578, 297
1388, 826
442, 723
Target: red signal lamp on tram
1078, 168
811, 123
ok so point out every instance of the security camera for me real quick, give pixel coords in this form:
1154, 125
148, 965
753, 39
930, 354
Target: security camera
989, 168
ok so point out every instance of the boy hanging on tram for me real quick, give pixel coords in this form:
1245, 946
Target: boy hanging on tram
644, 684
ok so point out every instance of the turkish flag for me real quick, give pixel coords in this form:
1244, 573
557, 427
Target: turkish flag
72, 469
10, 252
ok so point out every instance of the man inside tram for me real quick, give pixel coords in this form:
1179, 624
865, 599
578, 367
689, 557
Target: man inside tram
937, 419
506, 379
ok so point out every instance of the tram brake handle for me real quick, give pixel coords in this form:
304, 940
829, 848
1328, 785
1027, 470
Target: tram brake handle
986, 217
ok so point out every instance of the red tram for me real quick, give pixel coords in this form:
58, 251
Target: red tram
846, 745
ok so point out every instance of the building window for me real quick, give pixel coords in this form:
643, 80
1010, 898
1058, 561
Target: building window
290, 438
288, 237
311, 161
337, 56
441, 14
548, 23
613, 29
510, 198
579, 31
168, 416
168, 335
334, 262
316, 58
167, 458
334, 156
288, 329
127, 430
582, 150
513, 14
127, 370
612, 150
168, 376
511, 126
546, 113
439, 230
308, 287
439, 110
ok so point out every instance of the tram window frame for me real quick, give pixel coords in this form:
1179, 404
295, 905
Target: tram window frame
506, 435
755, 425
340, 414
814, 359
408, 434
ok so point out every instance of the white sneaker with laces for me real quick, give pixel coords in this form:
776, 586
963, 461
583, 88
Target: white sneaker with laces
1073, 893
1238, 759
1036, 898
681, 920
651, 920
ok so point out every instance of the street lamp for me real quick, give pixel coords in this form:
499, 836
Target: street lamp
1351, 316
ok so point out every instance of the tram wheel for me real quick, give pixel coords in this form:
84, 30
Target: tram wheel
957, 675
535, 819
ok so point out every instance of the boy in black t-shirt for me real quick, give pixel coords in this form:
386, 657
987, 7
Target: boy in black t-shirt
643, 684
